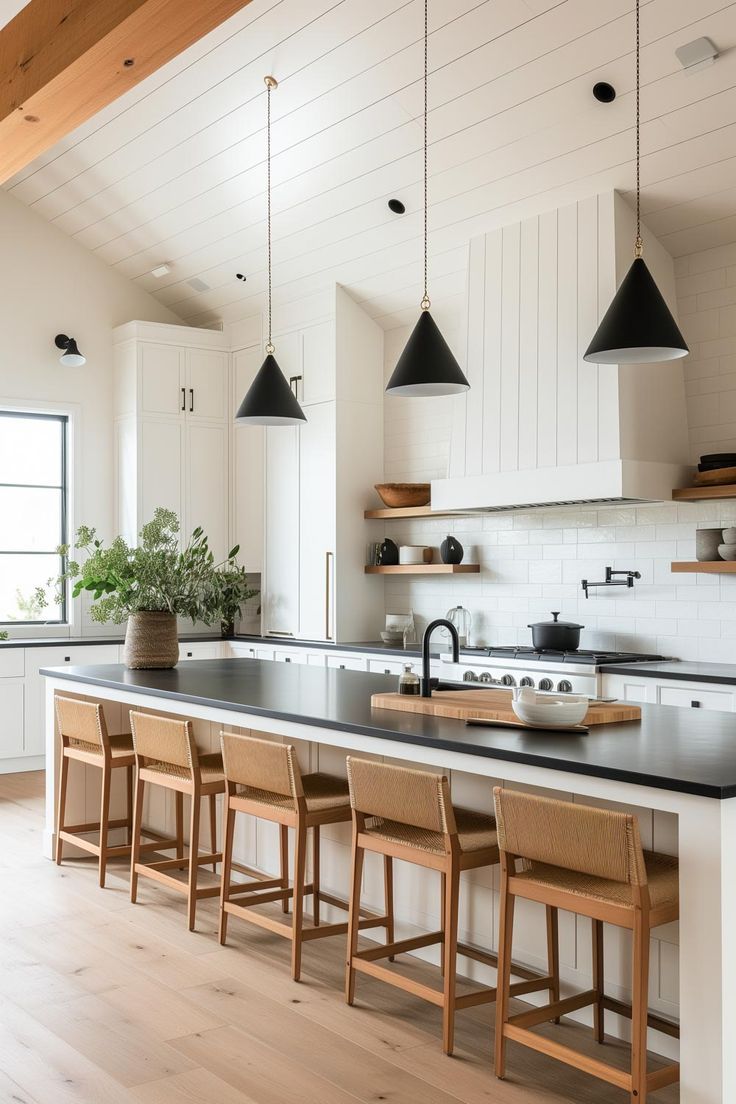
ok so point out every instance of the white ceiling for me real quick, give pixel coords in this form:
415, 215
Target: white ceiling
175, 171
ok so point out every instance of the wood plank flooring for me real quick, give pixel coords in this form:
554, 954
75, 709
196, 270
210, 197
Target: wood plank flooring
104, 1002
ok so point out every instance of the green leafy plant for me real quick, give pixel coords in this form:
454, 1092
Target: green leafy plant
155, 575
233, 592
4, 634
30, 606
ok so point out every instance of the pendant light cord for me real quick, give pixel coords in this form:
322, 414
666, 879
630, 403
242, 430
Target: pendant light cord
270, 84
638, 242
425, 304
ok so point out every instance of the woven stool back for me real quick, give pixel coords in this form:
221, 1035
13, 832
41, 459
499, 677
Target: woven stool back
412, 797
261, 764
163, 740
597, 842
81, 721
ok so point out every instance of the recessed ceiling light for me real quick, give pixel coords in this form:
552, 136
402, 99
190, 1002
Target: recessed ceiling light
161, 270
197, 284
240, 276
604, 92
396, 206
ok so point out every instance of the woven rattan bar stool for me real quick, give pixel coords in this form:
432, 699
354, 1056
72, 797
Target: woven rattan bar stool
587, 861
408, 814
84, 737
263, 778
166, 755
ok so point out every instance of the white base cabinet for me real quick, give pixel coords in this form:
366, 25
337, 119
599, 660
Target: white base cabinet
680, 693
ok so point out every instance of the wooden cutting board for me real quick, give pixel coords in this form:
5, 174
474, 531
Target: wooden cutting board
491, 705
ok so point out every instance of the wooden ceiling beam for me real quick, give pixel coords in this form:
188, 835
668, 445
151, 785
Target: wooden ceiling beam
62, 61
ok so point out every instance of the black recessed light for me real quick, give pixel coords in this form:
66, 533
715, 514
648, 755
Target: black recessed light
396, 206
604, 92
240, 276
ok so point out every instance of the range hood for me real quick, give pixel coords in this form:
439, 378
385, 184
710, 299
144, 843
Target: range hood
540, 426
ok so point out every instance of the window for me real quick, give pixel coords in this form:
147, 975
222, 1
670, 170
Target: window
33, 522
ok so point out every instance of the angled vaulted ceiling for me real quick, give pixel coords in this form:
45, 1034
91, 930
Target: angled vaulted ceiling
175, 170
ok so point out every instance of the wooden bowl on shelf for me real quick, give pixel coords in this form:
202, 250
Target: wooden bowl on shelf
400, 495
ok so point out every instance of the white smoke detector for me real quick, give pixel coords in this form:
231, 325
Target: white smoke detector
696, 54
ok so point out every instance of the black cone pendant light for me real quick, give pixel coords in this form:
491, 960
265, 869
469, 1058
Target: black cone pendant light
638, 327
426, 366
269, 400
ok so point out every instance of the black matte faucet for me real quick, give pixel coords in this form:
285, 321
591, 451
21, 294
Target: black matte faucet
426, 684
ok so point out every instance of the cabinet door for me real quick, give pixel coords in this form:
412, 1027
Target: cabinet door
161, 465
199, 649
317, 523
248, 448
206, 384
162, 379
318, 364
11, 711
281, 586
697, 697
206, 500
34, 736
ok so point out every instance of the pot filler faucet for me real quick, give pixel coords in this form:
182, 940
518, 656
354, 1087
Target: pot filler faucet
627, 581
441, 622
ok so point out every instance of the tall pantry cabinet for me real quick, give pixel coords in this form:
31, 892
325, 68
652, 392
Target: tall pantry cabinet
317, 476
172, 428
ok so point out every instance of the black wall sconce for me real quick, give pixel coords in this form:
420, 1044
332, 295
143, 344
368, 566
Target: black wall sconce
71, 356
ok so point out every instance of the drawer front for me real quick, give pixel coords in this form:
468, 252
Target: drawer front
391, 666
347, 663
12, 662
697, 698
200, 649
295, 656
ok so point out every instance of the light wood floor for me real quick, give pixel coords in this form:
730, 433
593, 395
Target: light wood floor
103, 1002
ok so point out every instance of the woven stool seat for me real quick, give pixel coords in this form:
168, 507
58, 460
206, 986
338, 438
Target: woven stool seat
120, 746
662, 882
322, 792
475, 832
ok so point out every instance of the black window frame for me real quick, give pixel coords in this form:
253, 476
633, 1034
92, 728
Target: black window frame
63, 420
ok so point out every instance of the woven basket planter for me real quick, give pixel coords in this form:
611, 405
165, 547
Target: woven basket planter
151, 640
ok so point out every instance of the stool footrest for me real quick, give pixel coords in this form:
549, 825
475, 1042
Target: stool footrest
409, 985
657, 1023
659, 1079
553, 1011
152, 871
388, 950
570, 1057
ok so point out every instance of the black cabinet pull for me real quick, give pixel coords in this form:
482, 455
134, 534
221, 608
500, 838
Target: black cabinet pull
287, 659
183, 398
191, 400
67, 659
189, 655
695, 705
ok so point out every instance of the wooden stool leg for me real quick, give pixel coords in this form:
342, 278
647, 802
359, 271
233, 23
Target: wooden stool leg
135, 846
443, 892
104, 821
300, 861
315, 875
388, 897
179, 813
60, 816
356, 878
451, 903
284, 849
193, 855
228, 831
639, 1008
213, 828
598, 1010
553, 955
129, 800
505, 941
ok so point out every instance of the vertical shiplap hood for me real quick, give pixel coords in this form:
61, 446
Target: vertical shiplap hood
540, 425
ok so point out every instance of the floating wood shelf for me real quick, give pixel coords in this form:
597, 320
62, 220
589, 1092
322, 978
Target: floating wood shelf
399, 512
421, 569
707, 567
701, 494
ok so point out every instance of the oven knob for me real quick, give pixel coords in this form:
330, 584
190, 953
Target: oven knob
485, 676
508, 680
545, 684
526, 681
470, 676
565, 687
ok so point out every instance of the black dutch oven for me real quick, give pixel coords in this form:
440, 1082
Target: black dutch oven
555, 636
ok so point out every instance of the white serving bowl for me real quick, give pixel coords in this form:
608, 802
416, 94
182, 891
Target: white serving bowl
549, 710
412, 554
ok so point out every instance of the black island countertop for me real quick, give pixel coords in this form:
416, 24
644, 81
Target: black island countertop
689, 751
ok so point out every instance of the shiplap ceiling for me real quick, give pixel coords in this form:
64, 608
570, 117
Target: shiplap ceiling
175, 170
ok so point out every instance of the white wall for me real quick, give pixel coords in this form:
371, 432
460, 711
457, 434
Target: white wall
50, 285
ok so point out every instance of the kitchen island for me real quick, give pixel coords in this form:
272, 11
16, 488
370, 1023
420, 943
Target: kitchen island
675, 768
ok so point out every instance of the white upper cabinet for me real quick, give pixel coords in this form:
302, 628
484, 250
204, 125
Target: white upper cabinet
318, 364
248, 468
172, 428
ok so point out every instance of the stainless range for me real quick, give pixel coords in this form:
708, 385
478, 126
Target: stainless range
567, 672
